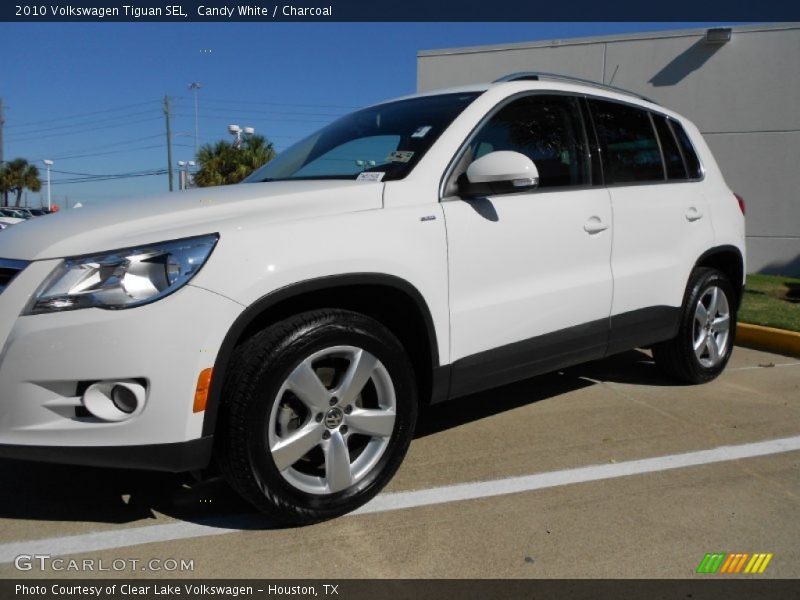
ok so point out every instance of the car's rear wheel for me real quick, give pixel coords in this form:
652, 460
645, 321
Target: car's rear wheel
705, 337
318, 412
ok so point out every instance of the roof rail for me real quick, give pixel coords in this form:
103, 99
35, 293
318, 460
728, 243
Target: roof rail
538, 76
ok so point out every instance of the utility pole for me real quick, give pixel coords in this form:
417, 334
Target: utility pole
169, 141
195, 86
2, 122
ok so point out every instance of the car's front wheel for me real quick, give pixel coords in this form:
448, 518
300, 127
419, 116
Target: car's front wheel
318, 412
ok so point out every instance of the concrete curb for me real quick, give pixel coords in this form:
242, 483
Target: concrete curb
780, 341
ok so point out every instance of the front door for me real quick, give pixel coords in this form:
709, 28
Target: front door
530, 275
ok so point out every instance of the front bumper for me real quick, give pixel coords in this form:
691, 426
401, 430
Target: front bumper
173, 458
47, 360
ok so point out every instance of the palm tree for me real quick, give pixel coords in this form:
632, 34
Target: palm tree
5, 183
222, 164
17, 176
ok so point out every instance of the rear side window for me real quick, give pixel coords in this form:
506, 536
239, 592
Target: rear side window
548, 130
673, 160
628, 141
689, 154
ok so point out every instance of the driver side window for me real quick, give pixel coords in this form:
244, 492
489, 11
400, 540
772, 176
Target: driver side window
546, 129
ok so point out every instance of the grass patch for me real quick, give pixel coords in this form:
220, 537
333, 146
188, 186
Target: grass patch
773, 301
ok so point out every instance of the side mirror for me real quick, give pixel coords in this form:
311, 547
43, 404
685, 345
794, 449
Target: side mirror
501, 172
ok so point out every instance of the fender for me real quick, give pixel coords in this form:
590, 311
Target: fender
707, 258
256, 309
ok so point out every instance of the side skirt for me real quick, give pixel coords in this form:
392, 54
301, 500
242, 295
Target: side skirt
557, 350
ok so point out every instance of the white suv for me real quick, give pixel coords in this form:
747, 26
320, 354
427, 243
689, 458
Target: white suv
411, 252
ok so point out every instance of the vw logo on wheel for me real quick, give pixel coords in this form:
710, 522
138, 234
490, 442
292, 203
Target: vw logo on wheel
334, 418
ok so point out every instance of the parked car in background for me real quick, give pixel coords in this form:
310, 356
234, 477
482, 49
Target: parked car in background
11, 220
411, 252
15, 213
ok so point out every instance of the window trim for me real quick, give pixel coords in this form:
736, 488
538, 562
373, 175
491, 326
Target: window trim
664, 174
594, 145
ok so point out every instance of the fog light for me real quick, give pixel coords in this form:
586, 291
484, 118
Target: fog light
115, 400
123, 398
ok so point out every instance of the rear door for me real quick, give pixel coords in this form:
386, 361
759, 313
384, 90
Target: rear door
530, 275
661, 220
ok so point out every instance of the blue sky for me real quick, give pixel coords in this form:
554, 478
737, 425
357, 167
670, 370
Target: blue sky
89, 96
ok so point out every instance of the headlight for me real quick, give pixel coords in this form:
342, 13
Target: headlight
123, 278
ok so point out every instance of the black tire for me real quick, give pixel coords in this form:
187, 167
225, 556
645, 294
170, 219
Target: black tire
258, 369
677, 357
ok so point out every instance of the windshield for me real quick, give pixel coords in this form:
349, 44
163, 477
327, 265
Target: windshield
387, 140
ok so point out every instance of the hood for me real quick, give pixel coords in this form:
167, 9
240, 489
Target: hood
176, 215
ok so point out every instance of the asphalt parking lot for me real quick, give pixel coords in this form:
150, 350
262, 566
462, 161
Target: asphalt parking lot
651, 503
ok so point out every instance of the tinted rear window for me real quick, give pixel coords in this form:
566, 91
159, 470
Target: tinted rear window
689, 154
669, 147
628, 142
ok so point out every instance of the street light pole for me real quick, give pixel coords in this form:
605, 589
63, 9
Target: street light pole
184, 166
195, 86
237, 132
48, 164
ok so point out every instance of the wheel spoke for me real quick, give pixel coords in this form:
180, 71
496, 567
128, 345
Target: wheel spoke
358, 373
722, 324
377, 423
700, 343
287, 451
712, 305
700, 313
337, 463
306, 385
713, 348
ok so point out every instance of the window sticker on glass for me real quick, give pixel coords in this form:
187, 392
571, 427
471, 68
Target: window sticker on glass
421, 132
401, 156
370, 176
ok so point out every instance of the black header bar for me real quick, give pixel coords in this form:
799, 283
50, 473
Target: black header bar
267, 11
707, 588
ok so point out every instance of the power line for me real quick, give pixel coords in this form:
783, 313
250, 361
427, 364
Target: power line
276, 113
206, 116
69, 153
90, 124
109, 177
87, 130
103, 174
123, 151
80, 115
293, 104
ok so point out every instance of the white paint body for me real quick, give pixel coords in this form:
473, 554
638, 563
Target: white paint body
537, 269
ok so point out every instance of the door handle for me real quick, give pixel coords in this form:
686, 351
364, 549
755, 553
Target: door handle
693, 214
594, 225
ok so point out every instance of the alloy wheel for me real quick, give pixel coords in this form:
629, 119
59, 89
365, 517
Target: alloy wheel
332, 420
711, 334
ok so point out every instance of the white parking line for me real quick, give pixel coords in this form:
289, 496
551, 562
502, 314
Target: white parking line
132, 536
